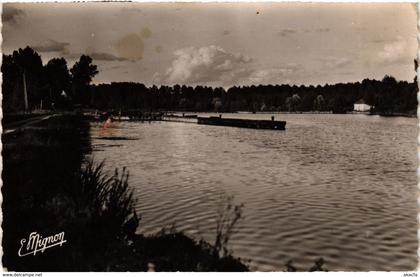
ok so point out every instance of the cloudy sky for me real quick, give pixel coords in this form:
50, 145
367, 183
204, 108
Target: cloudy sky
221, 44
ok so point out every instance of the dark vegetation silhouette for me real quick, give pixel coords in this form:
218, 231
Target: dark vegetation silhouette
388, 96
228, 216
50, 86
81, 75
47, 82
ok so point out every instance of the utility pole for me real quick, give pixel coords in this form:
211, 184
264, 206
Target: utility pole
25, 93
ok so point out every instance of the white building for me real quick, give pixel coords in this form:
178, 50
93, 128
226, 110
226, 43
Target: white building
361, 106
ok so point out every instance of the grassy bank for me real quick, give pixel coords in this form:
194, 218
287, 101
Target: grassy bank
49, 188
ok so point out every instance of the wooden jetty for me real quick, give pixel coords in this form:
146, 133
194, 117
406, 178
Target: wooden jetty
172, 115
243, 123
137, 115
130, 115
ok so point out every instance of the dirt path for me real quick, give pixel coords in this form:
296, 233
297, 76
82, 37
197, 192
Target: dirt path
14, 126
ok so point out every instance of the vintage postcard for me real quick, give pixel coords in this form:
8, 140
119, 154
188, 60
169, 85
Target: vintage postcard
209, 137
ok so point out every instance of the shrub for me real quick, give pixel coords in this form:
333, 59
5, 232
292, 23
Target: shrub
229, 214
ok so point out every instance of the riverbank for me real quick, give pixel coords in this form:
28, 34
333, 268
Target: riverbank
412, 115
390, 114
49, 187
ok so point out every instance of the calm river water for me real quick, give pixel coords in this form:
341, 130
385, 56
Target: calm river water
341, 187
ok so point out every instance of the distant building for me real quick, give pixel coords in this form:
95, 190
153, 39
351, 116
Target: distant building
361, 106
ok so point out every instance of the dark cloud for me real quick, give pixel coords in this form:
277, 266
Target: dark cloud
52, 46
287, 31
11, 14
90, 51
102, 56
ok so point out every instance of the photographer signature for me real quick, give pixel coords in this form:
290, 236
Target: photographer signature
36, 243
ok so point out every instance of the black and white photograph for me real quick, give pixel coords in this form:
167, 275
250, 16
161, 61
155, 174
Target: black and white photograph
209, 137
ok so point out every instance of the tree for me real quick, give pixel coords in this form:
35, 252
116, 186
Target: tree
389, 81
389, 94
82, 74
319, 103
293, 102
10, 89
29, 65
57, 77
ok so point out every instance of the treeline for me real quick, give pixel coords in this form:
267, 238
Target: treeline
387, 96
54, 86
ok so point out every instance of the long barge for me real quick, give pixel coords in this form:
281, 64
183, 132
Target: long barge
243, 123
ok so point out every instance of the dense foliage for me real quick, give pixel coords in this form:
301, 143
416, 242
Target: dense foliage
48, 86
387, 96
